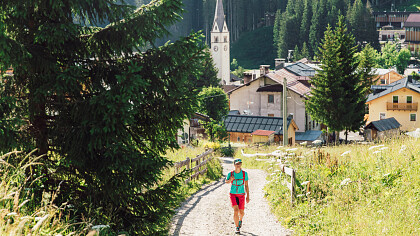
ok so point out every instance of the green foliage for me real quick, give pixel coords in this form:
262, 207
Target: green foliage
366, 63
213, 102
101, 115
388, 56
402, 60
216, 130
312, 18
252, 49
208, 77
22, 213
227, 151
239, 72
234, 64
362, 24
366, 192
338, 97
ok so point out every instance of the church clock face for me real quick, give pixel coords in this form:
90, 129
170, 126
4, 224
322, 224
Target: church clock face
215, 48
225, 47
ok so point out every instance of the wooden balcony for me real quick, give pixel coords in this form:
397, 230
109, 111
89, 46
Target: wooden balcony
402, 106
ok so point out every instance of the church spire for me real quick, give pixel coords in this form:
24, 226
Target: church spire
219, 16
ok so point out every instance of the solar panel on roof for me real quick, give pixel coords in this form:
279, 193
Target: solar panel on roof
254, 120
246, 127
235, 127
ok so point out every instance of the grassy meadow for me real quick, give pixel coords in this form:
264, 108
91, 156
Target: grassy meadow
22, 214
353, 189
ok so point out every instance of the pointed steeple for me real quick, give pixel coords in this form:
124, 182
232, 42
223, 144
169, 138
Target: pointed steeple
219, 16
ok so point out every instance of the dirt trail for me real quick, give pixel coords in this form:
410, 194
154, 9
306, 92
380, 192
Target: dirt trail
208, 212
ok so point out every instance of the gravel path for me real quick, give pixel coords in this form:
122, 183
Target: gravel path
209, 212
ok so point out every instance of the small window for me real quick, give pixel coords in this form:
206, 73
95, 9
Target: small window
216, 39
383, 81
225, 39
382, 116
409, 99
271, 115
239, 139
270, 98
395, 99
413, 117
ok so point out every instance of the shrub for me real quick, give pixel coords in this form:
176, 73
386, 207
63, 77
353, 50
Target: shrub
227, 152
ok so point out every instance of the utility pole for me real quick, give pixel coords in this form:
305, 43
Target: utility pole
285, 138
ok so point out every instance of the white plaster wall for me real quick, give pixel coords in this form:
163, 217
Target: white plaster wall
259, 106
221, 57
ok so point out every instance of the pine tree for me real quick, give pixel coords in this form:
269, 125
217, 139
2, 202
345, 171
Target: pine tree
338, 97
102, 114
366, 65
306, 22
296, 54
304, 53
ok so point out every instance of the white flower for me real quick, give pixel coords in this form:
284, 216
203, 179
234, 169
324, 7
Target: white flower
345, 153
345, 182
305, 183
99, 227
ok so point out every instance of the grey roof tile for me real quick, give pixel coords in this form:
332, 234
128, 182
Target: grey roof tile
385, 124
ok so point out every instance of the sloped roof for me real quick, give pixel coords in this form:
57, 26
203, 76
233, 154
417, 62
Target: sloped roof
413, 20
292, 82
301, 69
309, 135
249, 124
397, 85
219, 16
234, 112
277, 76
271, 88
229, 87
383, 125
262, 132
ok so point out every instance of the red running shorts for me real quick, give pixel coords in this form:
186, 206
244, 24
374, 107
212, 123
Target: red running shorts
238, 199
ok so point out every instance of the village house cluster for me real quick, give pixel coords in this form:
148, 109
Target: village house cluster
256, 106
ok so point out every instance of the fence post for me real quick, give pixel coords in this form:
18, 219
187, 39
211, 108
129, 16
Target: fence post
188, 163
292, 192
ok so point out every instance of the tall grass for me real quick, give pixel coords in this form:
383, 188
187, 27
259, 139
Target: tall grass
20, 213
354, 189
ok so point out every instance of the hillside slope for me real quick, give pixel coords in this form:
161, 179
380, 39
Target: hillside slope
254, 48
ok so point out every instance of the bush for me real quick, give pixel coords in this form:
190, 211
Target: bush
215, 146
227, 152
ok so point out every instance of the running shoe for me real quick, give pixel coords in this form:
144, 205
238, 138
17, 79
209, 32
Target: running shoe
237, 231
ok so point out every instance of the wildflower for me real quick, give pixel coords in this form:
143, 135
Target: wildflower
345, 153
345, 182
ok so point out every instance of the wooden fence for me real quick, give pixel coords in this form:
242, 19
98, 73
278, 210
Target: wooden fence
198, 162
291, 186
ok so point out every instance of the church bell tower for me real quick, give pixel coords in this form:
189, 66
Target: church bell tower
220, 45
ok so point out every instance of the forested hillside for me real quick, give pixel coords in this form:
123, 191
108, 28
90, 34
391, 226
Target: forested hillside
298, 21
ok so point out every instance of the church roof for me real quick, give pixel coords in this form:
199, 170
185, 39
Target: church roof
219, 16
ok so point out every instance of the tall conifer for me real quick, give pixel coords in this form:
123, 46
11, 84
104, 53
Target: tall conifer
101, 113
338, 96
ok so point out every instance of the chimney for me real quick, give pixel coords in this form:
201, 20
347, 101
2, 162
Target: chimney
247, 77
264, 69
279, 62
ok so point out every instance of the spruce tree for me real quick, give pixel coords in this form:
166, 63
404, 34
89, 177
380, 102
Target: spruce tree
338, 98
101, 114
366, 65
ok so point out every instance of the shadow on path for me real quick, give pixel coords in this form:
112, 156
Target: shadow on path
199, 195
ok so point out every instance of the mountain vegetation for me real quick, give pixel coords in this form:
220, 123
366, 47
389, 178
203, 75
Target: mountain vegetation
100, 114
338, 96
312, 18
